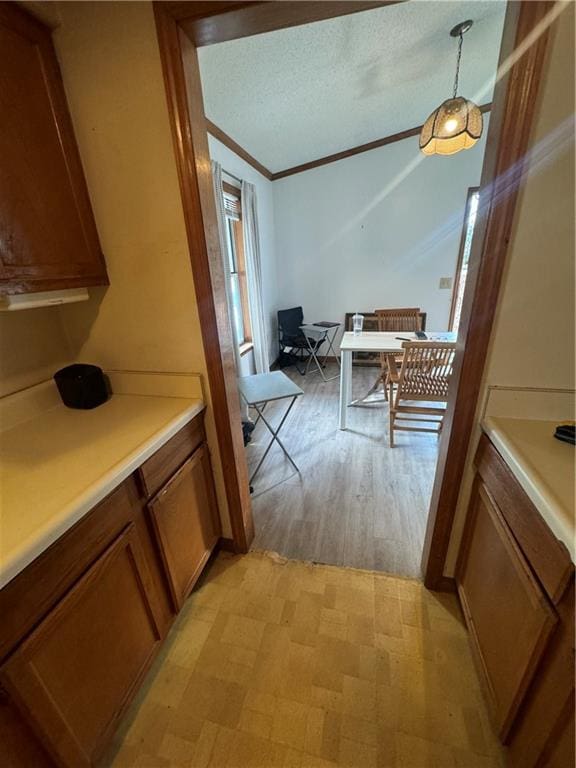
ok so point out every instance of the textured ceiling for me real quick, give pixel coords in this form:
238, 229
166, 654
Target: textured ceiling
298, 94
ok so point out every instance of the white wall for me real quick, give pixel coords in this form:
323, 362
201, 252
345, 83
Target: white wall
270, 289
375, 230
533, 337
33, 346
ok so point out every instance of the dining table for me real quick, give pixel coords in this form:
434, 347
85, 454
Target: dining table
385, 342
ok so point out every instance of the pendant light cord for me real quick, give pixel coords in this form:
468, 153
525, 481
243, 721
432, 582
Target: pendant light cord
458, 64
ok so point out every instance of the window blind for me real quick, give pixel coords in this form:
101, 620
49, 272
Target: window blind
232, 206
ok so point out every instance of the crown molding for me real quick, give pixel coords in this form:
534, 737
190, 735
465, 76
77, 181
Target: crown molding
206, 23
356, 150
229, 142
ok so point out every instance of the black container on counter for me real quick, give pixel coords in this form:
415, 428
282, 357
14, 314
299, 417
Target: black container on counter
82, 386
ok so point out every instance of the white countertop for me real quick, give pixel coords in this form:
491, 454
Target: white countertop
57, 465
544, 467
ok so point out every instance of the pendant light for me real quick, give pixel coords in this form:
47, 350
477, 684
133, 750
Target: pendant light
457, 123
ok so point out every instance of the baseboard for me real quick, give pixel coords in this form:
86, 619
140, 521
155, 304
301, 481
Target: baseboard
356, 363
226, 544
446, 584
275, 366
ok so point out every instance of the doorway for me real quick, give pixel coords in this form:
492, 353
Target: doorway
374, 226
181, 29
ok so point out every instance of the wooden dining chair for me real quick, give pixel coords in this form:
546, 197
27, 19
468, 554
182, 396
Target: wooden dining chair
401, 319
423, 377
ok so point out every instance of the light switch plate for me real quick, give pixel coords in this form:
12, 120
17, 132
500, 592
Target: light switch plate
445, 283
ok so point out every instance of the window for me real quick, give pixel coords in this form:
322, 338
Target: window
463, 257
237, 276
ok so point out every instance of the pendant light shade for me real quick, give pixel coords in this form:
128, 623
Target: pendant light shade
457, 123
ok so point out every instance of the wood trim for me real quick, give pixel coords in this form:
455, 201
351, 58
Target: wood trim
238, 237
514, 107
447, 584
458, 270
394, 137
182, 10
229, 142
243, 279
219, 134
187, 122
235, 191
207, 23
227, 545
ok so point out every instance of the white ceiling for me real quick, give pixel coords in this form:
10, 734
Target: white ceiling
298, 94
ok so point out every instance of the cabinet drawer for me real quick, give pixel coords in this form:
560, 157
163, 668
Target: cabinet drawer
185, 518
508, 614
163, 464
76, 672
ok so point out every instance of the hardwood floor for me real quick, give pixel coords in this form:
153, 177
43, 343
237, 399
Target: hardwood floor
356, 502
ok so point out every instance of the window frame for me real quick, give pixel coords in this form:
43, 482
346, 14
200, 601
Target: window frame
238, 236
459, 264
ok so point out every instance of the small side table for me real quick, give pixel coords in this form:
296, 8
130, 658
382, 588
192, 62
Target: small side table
263, 388
322, 332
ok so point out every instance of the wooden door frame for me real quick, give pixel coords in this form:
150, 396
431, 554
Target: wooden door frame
505, 162
181, 27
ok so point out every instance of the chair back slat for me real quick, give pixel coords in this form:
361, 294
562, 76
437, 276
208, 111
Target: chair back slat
426, 370
399, 319
289, 322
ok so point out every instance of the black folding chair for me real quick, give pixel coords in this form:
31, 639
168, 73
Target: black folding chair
293, 345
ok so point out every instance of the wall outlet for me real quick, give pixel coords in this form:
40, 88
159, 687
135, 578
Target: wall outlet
445, 283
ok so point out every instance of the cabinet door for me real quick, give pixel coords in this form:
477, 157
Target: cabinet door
48, 238
185, 518
508, 615
76, 672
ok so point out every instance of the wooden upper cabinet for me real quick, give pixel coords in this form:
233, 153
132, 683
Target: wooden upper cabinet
508, 615
48, 237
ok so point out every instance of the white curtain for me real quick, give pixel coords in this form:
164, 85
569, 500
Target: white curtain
221, 217
254, 276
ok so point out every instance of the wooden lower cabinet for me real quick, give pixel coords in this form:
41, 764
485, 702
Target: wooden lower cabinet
185, 519
77, 670
509, 616
543, 734
82, 624
18, 744
516, 586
